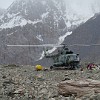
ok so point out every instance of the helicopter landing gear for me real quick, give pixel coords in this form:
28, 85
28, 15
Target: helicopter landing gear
51, 67
73, 68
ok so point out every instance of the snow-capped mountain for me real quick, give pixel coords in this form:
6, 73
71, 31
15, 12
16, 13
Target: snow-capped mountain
28, 22
29, 11
23, 12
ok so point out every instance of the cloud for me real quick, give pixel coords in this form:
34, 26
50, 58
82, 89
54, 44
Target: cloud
83, 7
5, 3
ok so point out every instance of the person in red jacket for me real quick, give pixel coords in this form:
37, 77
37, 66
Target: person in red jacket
91, 66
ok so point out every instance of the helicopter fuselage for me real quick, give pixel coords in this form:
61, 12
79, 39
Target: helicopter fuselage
65, 58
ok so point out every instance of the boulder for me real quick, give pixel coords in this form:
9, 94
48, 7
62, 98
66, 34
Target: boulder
79, 88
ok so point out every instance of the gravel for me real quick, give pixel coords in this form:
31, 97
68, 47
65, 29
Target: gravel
25, 83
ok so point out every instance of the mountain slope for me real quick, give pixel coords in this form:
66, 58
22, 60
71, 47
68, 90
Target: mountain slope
28, 22
88, 33
23, 12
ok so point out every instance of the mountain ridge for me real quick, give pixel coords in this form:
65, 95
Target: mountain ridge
39, 28
88, 34
29, 22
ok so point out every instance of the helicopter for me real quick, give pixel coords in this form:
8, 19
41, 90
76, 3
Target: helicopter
64, 58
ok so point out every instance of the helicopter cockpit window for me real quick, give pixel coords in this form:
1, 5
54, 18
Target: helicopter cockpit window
77, 57
68, 58
56, 59
72, 57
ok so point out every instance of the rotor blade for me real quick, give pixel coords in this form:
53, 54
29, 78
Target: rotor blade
44, 45
95, 45
54, 45
85, 45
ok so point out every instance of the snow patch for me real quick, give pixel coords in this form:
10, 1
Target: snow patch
48, 52
39, 37
51, 50
18, 21
15, 21
42, 55
61, 38
44, 15
12, 15
33, 22
10, 34
68, 24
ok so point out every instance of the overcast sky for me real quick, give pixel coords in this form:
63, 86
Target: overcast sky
75, 3
5, 3
83, 7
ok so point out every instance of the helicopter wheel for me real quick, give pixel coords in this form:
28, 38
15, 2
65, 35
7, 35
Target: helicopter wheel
51, 67
72, 67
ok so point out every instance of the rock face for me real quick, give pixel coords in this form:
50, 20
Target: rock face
88, 33
79, 88
28, 22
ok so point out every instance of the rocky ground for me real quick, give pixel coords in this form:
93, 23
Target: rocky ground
25, 83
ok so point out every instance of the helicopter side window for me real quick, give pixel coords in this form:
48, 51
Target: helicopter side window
68, 58
56, 59
77, 57
61, 52
72, 57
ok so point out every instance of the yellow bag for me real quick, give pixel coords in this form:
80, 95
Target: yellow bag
39, 67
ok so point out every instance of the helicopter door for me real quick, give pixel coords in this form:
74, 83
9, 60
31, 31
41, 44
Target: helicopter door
62, 59
56, 59
68, 59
